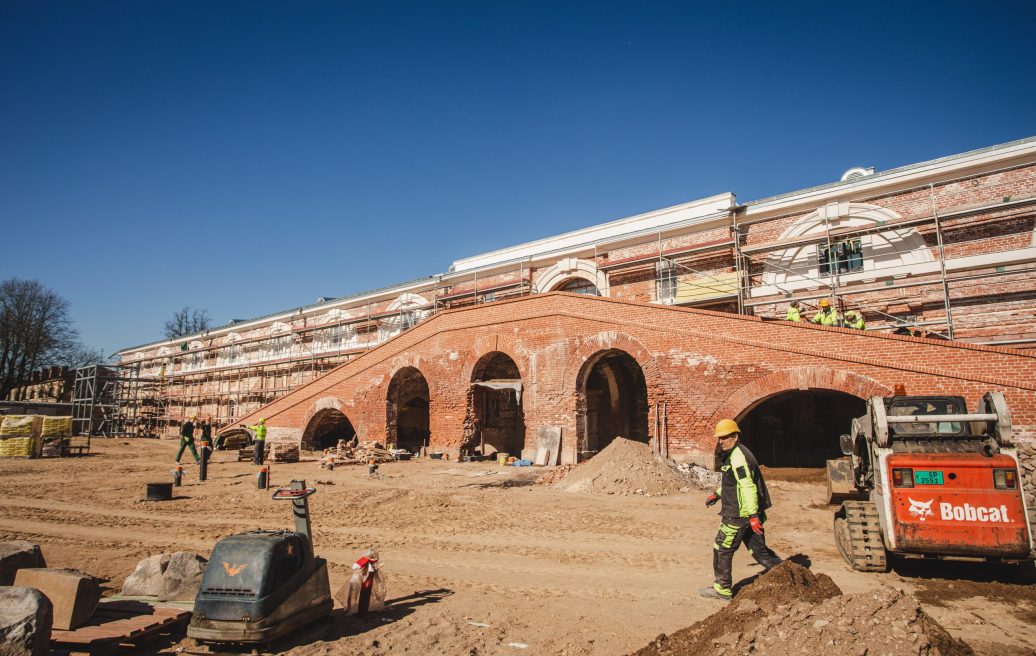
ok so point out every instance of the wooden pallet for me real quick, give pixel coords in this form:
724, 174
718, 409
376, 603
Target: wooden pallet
120, 623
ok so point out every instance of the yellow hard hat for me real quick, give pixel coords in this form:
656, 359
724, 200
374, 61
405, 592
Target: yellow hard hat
825, 303
726, 427
261, 420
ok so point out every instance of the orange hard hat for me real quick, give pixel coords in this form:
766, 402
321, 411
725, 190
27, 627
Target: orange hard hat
726, 427
825, 303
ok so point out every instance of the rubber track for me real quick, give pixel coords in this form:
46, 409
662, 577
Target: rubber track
865, 536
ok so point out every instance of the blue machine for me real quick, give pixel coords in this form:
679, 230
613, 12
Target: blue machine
261, 585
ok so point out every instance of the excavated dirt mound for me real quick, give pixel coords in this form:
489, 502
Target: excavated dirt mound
626, 467
792, 610
788, 583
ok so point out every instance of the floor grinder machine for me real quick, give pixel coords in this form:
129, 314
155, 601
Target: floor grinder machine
261, 585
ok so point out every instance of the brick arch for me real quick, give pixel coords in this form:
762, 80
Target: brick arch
323, 403
578, 366
391, 406
809, 377
480, 348
319, 405
575, 367
497, 342
405, 360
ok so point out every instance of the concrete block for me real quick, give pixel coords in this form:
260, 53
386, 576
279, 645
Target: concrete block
73, 594
15, 555
25, 622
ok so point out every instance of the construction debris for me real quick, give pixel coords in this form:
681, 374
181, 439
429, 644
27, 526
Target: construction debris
792, 610
362, 453
234, 440
284, 452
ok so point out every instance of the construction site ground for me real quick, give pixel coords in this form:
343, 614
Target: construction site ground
480, 559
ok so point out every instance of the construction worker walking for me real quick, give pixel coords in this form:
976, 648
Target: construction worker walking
794, 313
187, 439
743, 511
853, 319
827, 315
259, 443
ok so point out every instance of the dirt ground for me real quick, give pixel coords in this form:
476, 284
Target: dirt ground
468, 545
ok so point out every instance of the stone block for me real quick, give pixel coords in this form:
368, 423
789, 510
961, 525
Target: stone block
182, 577
25, 622
16, 555
73, 594
146, 579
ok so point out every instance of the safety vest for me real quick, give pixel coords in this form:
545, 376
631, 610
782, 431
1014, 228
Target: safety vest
828, 318
793, 314
742, 488
855, 320
260, 431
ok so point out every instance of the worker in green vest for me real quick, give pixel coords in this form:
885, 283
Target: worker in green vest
187, 440
745, 500
827, 315
259, 443
794, 313
853, 319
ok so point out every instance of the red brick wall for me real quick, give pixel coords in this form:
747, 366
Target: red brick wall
703, 365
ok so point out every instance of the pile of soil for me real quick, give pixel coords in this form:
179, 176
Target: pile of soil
792, 610
626, 467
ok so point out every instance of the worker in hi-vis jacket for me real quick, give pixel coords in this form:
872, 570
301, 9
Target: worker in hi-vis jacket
743, 510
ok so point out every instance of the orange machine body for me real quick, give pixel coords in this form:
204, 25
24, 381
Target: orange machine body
954, 507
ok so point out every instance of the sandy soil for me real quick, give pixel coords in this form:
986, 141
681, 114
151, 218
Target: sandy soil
471, 544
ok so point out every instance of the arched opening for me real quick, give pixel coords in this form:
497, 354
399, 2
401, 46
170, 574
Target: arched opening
406, 419
325, 429
611, 401
578, 286
799, 428
495, 405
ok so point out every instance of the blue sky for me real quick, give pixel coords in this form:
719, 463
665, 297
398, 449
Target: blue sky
249, 157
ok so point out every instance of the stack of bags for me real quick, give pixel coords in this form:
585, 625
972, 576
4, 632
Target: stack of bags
20, 436
55, 432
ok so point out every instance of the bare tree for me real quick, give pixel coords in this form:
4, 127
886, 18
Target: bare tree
77, 355
187, 322
35, 330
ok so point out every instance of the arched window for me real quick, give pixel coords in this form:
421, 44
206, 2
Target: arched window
578, 286
857, 257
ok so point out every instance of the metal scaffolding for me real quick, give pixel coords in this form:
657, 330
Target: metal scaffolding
114, 401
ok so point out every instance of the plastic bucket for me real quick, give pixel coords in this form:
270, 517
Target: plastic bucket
501, 458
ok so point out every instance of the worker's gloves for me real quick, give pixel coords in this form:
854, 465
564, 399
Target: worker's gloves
757, 526
711, 501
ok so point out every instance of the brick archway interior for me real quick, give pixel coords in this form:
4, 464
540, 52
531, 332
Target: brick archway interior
407, 410
325, 428
496, 418
611, 401
799, 428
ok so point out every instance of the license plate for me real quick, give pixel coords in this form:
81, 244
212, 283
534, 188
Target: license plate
922, 477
